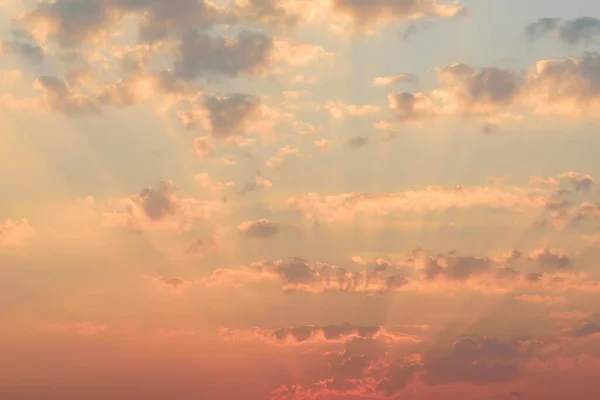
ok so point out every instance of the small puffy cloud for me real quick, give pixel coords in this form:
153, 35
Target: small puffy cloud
280, 157
213, 187
393, 79
224, 116
203, 147
323, 144
15, 233
358, 260
261, 228
470, 92
340, 110
412, 108
160, 207
552, 258
582, 183
259, 182
357, 142
79, 328
571, 31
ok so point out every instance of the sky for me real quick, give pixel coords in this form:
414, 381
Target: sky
299, 199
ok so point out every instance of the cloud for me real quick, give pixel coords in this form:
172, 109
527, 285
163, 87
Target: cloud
160, 207
582, 183
258, 182
552, 258
477, 360
573, 31
203, 147
534, 180
585, 329
365, 15
15, 233
538, 299
205, 55
411, 108
25, 46
470, 92
261, 228
347, 206
357, 142
394, 79
76, 22
323, 144
340, 110
280, 157
58, 97
314, 334
224, 116
420, 272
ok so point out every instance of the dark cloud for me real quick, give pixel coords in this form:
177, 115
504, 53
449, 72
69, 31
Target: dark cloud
205, 55
571, 31
585, 329
173, 281
75, 22
582, 183
158, 203
478, 360
58, 97
261, 228
358, 142
24, 45
224, 116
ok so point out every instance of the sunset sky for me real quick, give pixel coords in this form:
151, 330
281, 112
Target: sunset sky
299, 199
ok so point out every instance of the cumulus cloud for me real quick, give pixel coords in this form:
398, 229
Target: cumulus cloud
15, 233
573, 31
470, 92
77, 22
412, 108
224, 116
203, 147
205, 55
160, 207
582, 183
347, 206
261, 228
